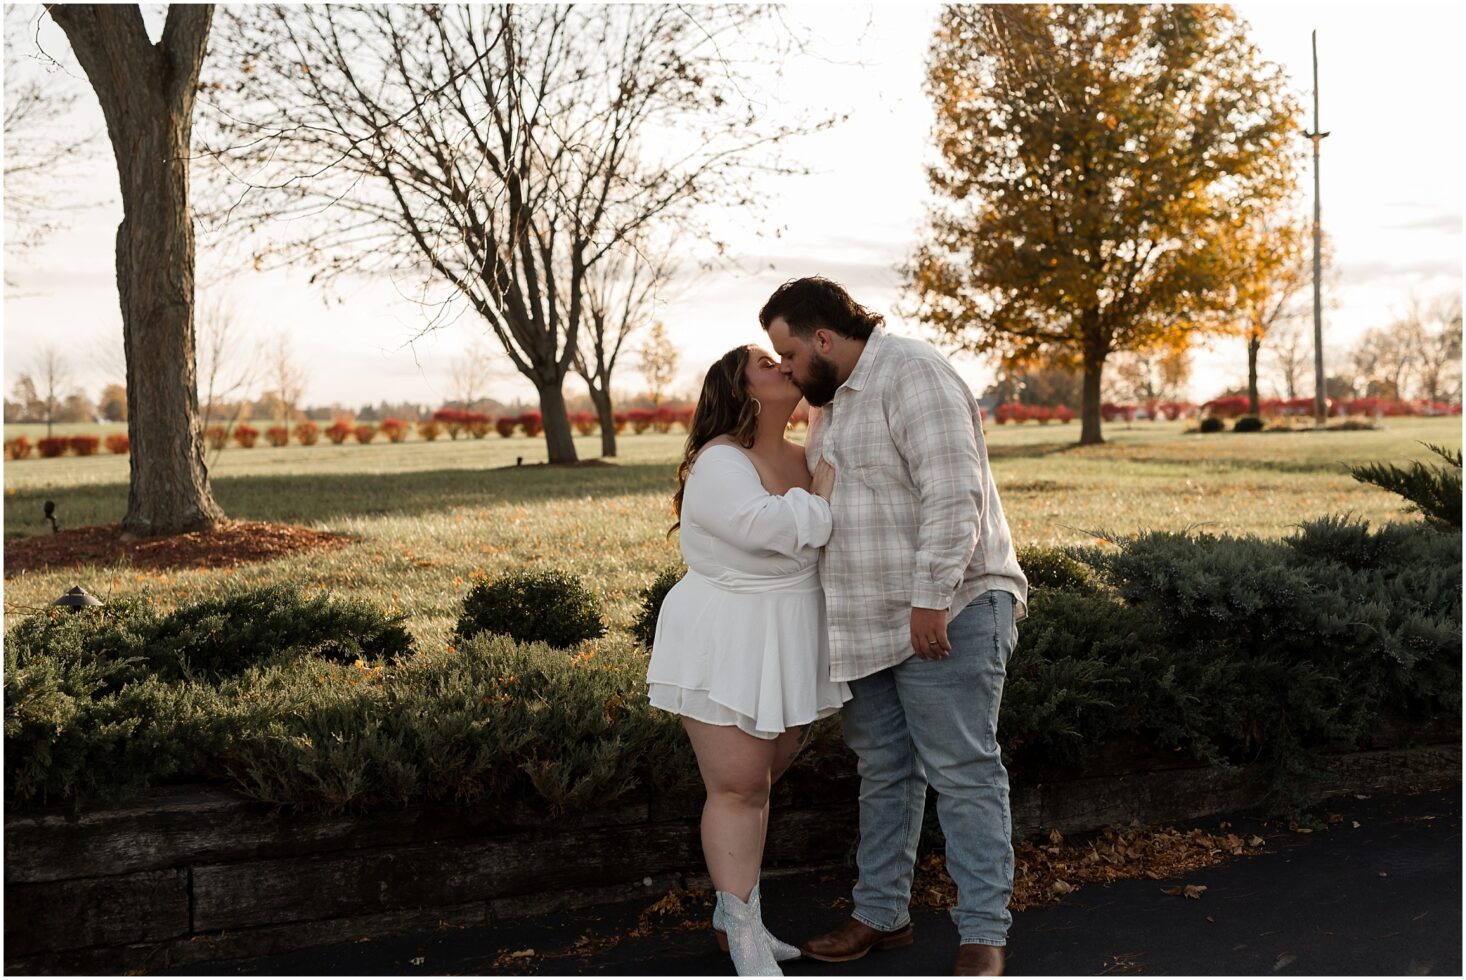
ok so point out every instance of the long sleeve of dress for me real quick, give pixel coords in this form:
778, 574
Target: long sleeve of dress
724, 497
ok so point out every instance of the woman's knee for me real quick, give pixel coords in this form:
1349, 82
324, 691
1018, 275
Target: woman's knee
749, 790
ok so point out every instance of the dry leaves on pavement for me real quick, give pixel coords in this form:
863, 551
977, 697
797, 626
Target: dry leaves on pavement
1048, 871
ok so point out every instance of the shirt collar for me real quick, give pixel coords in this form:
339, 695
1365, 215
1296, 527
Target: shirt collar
866, 363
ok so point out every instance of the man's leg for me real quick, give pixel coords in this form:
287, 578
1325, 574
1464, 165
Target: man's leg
892, 799
952, 713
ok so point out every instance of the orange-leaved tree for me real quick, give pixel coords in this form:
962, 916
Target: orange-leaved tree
1096, 163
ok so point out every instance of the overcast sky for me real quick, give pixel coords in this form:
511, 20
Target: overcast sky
1392, 174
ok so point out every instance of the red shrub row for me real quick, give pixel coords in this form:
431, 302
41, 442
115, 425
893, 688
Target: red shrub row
20, 447
1235, 406
1014, 412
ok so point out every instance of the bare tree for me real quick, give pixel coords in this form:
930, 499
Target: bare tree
657, 360
471, 370
40, 154
1292, 352
495, 152
1432, 331
285, 374
1159, 374
147, 92
621, 294
226, 369
1387, 357
52, 376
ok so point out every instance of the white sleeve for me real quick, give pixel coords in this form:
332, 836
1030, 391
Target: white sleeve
725, 498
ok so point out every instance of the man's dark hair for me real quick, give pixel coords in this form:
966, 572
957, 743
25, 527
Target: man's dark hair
813, 302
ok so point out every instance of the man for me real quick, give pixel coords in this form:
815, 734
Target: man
924, 592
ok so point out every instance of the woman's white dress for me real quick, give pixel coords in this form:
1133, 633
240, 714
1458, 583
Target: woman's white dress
742, 640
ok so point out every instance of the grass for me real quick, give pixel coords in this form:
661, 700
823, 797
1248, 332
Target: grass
430, 517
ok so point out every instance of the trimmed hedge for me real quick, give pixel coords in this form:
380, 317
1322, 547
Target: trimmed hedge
644, 627
533, 607
1226, 650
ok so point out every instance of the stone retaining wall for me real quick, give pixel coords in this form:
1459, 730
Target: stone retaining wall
190, 874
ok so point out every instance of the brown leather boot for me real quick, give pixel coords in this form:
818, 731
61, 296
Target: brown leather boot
978, 960
852, 939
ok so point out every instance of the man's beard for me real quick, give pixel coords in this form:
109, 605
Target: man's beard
823, 381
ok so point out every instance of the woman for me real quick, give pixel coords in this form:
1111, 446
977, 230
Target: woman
740, 650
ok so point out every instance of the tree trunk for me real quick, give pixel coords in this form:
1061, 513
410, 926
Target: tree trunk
1089, 424
558, 437
601, 398
147, 94
1254, 344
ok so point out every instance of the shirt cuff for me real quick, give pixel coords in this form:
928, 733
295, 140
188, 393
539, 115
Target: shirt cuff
926, 593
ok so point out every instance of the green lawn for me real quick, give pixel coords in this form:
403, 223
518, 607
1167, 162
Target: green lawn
430, 516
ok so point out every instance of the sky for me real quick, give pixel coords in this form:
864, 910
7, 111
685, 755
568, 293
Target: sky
1391, 98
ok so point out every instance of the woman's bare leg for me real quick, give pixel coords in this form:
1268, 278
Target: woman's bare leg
786, 747
737, 771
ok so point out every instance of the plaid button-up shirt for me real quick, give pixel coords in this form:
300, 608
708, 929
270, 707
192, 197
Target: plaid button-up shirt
917, 520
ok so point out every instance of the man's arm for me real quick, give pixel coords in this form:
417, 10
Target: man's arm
932, 428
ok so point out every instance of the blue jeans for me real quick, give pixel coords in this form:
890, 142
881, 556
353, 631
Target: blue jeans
937, 721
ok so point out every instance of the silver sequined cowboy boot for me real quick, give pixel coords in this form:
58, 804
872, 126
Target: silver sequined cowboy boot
744, 928
782, 951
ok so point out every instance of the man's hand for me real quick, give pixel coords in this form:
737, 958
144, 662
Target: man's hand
929, 633
823, 483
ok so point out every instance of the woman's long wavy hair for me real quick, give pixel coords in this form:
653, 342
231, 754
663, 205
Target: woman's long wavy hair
724, 408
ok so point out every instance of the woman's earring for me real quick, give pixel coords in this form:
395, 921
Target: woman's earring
758, 406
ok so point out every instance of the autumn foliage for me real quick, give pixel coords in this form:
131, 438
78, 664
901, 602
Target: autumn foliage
1098, 165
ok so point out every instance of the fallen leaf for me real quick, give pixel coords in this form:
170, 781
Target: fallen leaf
1194, 891
1356, 825
418, 960
1062, 887
1284, 960
1255, 841
1384, 874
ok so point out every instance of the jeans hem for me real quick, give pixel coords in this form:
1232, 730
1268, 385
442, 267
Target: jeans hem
865, 920
984, 941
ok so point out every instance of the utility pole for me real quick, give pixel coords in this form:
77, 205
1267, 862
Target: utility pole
1320, 405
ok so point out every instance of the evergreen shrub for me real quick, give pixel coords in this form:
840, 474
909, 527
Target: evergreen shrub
1434, 491
1053, 568
1213, 424
644, 627
209, 639
1228, 651
550, 607
1248, 423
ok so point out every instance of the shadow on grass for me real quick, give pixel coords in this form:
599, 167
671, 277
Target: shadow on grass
1031, 450
329, 497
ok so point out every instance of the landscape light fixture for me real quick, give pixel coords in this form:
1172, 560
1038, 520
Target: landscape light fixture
50, 510
77, 599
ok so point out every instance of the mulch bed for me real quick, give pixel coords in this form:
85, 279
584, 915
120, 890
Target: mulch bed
230, 544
